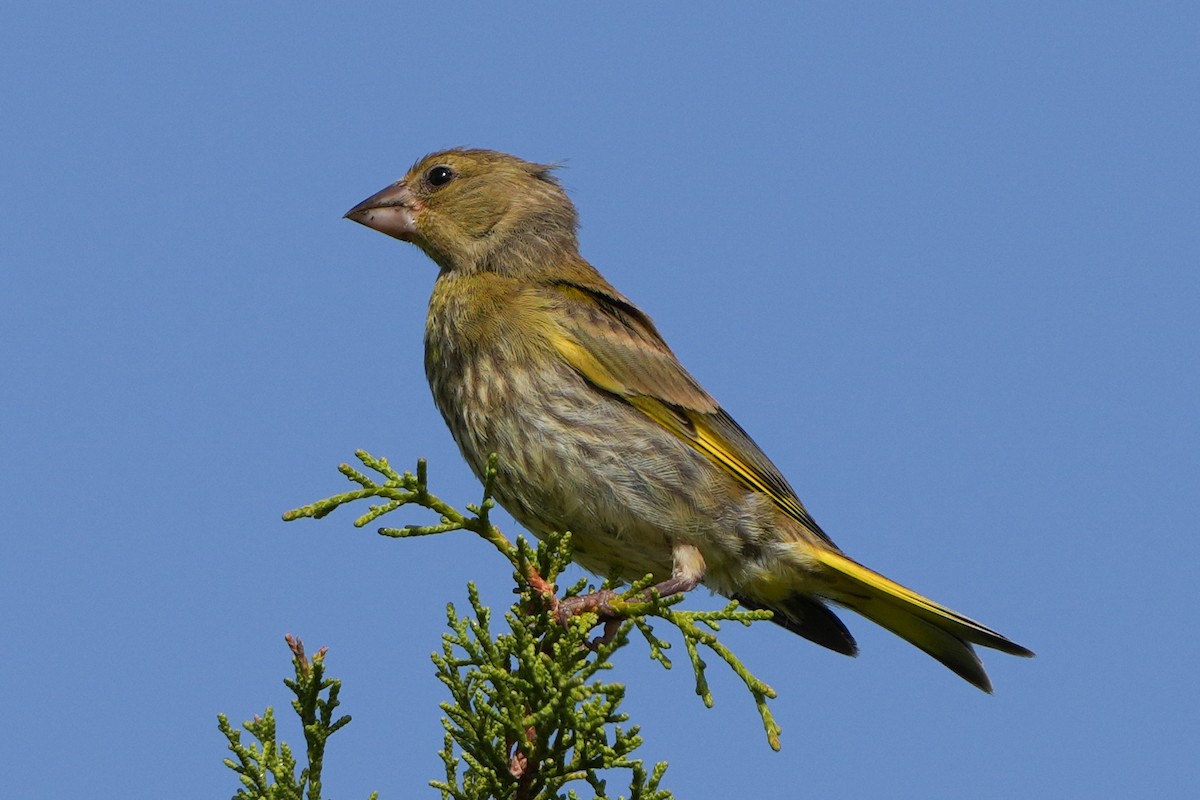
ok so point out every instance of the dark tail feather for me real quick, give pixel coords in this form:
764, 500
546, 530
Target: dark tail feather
941, 632
810, 618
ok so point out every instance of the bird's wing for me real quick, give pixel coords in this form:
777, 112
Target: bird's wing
616, 347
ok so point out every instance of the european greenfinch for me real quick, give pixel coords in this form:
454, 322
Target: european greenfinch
531, 354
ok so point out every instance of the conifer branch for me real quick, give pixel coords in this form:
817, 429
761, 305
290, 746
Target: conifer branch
528, 713
266, 768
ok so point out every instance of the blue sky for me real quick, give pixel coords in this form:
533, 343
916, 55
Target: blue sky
939, 259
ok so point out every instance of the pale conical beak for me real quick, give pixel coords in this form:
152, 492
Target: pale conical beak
392, 211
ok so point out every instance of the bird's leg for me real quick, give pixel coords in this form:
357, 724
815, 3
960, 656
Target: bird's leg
687, 572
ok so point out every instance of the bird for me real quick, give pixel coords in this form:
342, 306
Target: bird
531, 354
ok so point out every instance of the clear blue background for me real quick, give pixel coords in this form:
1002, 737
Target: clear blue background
940, 260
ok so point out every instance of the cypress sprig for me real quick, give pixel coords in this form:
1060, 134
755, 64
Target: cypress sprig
266, 768
528, 715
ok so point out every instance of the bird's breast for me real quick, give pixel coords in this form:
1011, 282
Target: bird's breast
574, 457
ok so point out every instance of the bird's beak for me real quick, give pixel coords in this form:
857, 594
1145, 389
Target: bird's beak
392, 211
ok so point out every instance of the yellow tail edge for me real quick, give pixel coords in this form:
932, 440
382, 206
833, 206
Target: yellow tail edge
941, 632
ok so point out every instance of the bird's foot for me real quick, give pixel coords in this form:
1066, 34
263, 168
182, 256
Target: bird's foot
599, 603
606, 604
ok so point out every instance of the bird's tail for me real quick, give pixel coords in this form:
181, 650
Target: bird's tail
942, 633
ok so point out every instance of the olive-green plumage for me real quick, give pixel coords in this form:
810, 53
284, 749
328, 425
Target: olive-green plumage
533, 355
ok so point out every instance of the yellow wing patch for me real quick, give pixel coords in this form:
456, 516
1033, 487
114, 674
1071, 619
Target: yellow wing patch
751, 469
620, 355
588, 365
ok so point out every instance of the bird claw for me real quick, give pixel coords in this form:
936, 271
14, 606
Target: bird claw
611, 627
599, 603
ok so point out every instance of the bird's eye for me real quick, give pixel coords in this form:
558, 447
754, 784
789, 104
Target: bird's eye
439, 175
